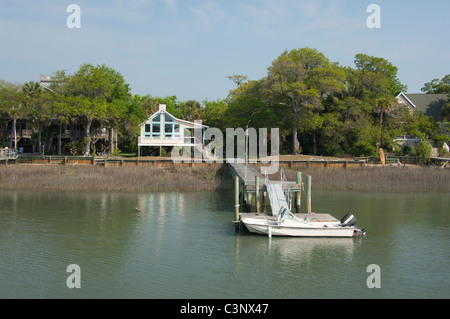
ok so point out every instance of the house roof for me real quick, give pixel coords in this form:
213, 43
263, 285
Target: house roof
428, 104
162, 110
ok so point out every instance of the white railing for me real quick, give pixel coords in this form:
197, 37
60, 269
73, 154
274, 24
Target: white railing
7, 154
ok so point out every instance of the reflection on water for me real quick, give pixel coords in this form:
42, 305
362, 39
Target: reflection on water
183, 245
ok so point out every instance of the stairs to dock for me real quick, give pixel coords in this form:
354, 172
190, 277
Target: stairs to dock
277, 198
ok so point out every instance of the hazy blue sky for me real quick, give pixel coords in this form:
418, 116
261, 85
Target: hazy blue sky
188, 47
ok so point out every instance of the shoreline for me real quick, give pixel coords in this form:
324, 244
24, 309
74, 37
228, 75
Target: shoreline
174, 178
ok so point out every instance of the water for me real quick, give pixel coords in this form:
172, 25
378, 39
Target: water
183, 245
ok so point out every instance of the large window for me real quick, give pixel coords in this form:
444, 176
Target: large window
153, 129
168, 129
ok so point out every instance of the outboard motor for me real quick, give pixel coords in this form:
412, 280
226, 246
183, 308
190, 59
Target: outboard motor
348, 220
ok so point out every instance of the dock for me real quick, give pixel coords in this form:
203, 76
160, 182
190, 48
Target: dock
441, 161
252, 188
6, 155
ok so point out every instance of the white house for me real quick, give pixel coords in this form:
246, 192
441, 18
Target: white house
163, 129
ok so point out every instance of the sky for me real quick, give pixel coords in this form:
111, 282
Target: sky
188, 48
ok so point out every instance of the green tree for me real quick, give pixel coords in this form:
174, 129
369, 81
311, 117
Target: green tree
151, 104
310, 125
379, 65
12, 103
375, 83
438, 86
238, 78
62, 110
214, 113
96, 92
424, 151
39, 107
298, 80
442, 86
245, 108
129, 124
191, 110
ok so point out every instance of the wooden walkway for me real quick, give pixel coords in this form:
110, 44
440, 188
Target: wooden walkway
247, 176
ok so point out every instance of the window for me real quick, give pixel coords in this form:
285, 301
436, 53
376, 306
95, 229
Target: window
147, 130
162, 126
153, 129
168, 118
156, 130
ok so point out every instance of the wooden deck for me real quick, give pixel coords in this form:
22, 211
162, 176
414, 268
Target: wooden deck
247, 176
245, 173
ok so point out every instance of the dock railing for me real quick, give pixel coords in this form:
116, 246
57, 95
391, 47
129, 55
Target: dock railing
6, 154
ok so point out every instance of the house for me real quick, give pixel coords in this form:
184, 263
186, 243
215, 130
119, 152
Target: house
162, 129
46, 80
428, 104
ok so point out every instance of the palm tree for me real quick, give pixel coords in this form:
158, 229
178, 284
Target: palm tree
191, 110
33, 89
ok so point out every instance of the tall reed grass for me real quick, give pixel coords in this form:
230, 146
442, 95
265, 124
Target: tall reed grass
378, 179
98, 178
214, 177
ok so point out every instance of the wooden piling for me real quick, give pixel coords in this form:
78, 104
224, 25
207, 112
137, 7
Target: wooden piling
257, 193
298, 196
236, 200
308, 193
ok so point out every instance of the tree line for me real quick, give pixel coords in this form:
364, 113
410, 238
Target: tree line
94, 96
321, 108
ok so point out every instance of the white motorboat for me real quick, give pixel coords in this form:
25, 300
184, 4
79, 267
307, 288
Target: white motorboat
287, 224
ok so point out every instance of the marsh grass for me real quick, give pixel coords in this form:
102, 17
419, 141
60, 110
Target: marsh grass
214, 177
98, 178
378, 179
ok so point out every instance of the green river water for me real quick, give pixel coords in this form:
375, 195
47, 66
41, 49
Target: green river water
184, 245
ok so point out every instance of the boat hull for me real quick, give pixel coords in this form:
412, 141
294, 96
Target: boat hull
316, 230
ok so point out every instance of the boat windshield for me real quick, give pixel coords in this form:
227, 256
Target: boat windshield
286, 214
